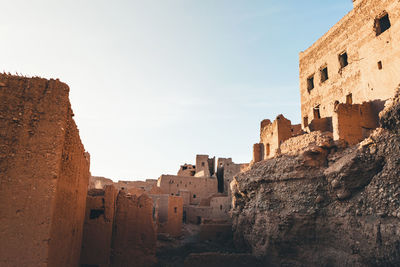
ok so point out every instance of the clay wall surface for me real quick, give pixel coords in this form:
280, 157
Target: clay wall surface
97, 182
175, 214
145, 185
373, 61
257, 152
230, 169
134, 233
44, 174
199, 187
185, 194
273, 134
296, 145
353, 123
205, 166
195, 214
98, 227
187, 170
220, 207
322, 124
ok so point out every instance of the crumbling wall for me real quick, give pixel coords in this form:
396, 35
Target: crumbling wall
221, 205
297, 145
195, 214
97, 231
272, 135
134, 235
97, 182
353, 123
44, 174
228, 169
205, 166
187, 170
372, 60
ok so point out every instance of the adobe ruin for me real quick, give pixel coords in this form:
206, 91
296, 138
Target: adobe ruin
45, 174
345, 78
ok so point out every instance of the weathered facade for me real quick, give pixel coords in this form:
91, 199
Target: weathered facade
98, 227
44, 174
354, 62
272, 134
134, 232
199, 187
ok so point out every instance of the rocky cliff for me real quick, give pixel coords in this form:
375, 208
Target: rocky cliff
327, 206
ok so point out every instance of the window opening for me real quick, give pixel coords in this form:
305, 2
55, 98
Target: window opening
324, 74
349, 99
343, 60
380, 65
310, 83
382, 24
317, 114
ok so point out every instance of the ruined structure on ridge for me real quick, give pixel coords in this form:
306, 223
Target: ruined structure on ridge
272, 134
44, 174
345, 79
356, 61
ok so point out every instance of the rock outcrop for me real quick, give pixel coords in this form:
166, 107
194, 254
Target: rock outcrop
328, 206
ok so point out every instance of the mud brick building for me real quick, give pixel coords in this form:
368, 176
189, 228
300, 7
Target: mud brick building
44, 174
356, 61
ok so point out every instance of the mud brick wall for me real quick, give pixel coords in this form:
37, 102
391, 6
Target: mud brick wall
44, 174
98, 228
134, 234
373, 60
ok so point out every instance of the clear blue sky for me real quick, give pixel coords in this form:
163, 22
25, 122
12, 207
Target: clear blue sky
155, 82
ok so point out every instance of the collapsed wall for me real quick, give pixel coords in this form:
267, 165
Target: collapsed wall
326, 205
44, 174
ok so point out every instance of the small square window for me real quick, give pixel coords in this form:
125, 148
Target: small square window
324, 74
380, 65
310, 83
382, 24
343, 60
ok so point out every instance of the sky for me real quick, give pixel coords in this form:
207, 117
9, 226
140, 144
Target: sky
155, 82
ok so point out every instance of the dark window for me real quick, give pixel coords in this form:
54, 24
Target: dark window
382, 24
268, 149
343, 60
94, 214
349, 99
202, 164
194, 196
175, 209
324, 74
317, 115
380, 65
310, 83
305, 121
220, 207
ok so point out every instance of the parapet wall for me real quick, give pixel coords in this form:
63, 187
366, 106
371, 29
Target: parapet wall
44, 174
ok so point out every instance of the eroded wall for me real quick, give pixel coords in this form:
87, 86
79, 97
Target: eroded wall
134, 237
98, 227
372, 61
44, 174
